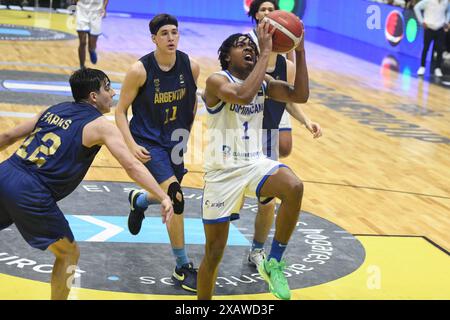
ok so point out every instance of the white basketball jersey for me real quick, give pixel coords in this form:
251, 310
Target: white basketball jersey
234, 136
90, 5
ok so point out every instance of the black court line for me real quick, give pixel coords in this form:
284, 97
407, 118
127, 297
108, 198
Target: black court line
378, 189
332, 184
404, 236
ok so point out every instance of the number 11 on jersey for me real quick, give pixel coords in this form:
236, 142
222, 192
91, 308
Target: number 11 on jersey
173, 117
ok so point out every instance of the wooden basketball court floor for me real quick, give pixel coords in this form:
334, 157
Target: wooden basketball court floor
381, 171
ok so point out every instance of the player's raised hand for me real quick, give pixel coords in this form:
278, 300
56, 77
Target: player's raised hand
265, 36
141, 153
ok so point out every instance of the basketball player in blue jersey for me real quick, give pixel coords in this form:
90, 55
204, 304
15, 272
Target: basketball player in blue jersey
161, 87
277, 126
237, 167
61, 144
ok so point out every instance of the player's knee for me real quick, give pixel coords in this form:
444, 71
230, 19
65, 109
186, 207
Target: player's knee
67, 250
83, 43
176, 195
297, 191
294, 191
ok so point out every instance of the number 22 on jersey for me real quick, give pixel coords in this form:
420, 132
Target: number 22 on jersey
42, 149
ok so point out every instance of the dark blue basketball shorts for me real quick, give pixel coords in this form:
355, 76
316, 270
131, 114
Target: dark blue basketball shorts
27, 203
161, 165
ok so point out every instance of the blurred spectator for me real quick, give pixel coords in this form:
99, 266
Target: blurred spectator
435, 22
446, 54
409, 4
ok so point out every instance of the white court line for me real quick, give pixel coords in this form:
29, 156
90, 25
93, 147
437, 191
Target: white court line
111, 229
37, 87
31, 115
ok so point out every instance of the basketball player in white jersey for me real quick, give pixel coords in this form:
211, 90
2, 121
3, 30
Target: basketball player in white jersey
89, 16
234, 161
277, 124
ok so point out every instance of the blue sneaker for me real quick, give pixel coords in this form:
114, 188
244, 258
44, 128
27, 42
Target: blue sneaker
93, 56
186, 277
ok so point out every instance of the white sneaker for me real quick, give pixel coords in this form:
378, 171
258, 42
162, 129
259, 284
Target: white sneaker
256, 257
446, 55
421, 71
438, 72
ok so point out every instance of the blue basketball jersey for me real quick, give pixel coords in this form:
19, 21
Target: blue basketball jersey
165, 102
273, 110
54, 153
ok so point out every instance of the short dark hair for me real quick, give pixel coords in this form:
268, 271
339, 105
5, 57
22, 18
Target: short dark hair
86, 80
226, 46
161, 20
254, 7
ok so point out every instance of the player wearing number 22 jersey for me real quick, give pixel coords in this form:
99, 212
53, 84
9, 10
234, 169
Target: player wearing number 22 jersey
60, 145
48, 166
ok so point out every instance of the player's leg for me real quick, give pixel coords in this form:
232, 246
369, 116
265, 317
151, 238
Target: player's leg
82, 36
223, 195
159, 166
281, 182
427, 38
263, 223
43, 226
176, 226
286, 186
169, 177
95, 32
67, 254
185, 275
92, 47
216, 239
438, 47
285, 135
285, 143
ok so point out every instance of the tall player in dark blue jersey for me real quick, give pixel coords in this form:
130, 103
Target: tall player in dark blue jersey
276, 123
161, 87
61, 144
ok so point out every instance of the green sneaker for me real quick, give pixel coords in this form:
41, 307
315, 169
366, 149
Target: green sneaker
272, 272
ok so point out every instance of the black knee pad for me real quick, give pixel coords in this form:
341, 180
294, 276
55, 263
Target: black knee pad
173, 191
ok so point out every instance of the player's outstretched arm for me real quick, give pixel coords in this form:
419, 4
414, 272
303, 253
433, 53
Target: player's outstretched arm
101, 131
18, 132
296, 111
134, 79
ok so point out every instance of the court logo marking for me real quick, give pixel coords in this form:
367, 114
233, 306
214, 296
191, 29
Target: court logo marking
114, 260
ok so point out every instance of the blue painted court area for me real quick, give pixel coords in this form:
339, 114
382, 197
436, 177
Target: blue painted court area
152, 231
14, 32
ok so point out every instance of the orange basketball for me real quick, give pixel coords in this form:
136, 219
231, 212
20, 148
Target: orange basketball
289, 30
